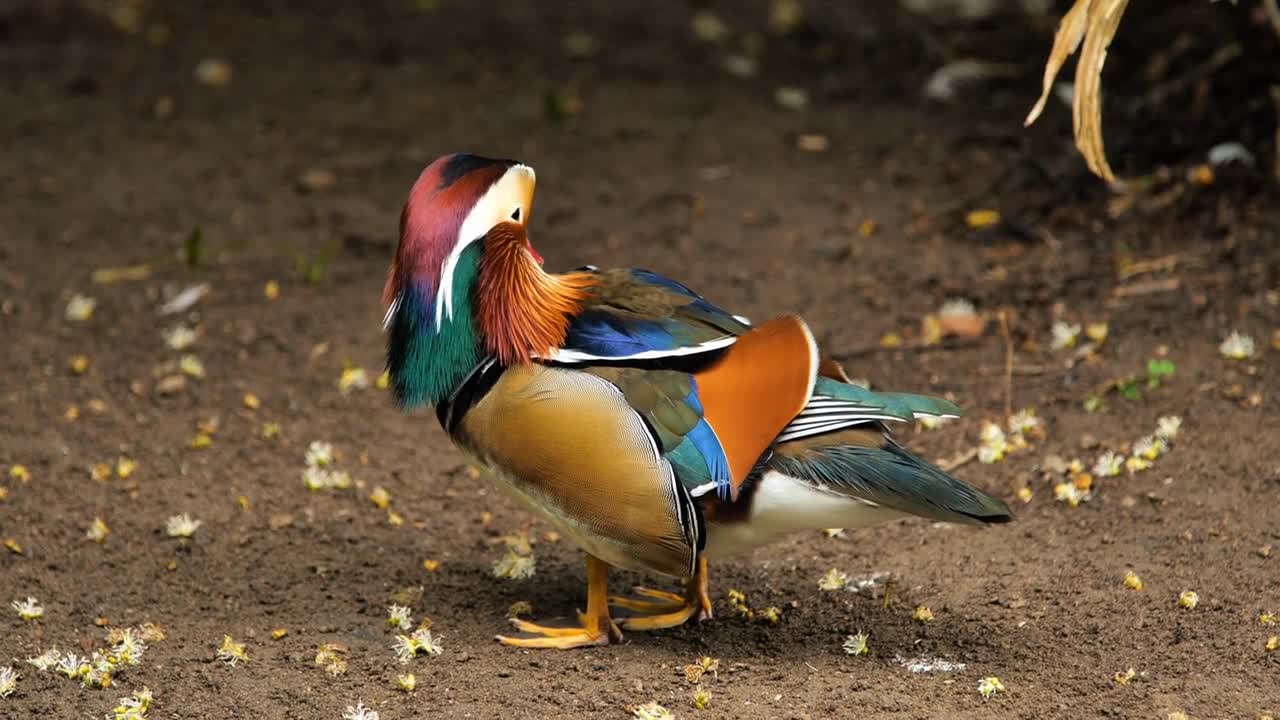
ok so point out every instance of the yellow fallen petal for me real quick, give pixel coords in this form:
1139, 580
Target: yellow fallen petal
213, 71
98, 531
125, 467
1096, 332
1132, 581
353, 378
191, 365
984, 218
930, 330
1200, 175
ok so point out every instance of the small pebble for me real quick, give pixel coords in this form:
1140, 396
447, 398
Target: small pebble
317, 179
791, 98
214, 71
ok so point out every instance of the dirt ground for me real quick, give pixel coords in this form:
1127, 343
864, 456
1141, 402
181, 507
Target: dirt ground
673, 164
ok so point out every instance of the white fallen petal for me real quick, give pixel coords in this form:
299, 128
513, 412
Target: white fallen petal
1230, 152
185, 299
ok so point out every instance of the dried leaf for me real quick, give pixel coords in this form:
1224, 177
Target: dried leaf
1087, 112
1065, 41
1094, 22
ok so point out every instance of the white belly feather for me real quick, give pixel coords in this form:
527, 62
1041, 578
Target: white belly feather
783, 506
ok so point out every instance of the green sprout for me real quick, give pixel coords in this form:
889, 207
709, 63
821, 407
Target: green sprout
1131, 387
1157, 371
193, 252
314, 269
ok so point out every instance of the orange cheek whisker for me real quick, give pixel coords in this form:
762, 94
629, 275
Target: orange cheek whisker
537, 256
521, 310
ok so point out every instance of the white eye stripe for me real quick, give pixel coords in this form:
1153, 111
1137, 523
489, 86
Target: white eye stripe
488, 211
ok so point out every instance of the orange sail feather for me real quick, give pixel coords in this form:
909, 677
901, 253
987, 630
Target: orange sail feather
756, 389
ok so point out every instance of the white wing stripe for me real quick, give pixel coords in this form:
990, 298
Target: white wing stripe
576, 356
809, 431
840, 419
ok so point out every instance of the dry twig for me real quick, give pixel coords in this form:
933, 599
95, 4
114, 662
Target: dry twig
1008, 363
1158, 93
913, 346
1167, 263
1147, 287
1275, 98
962, 459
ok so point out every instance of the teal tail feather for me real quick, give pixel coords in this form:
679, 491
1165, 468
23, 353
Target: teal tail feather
893, 477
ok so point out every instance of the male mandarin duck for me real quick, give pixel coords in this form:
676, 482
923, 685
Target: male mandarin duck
651, 427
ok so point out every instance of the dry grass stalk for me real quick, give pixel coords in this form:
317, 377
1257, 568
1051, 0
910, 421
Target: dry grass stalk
1094, 23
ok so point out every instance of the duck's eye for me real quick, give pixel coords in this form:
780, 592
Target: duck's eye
515, 214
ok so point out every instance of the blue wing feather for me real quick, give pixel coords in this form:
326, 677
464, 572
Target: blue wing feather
605, 334
625, 323
703, 437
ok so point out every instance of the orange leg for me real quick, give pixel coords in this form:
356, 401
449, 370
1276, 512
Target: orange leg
596, 627
666, 609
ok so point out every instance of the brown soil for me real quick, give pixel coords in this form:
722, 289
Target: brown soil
674, 165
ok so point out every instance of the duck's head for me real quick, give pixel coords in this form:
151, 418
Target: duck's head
457, 202
465, 267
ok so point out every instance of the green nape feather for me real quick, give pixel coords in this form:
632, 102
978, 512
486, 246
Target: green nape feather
903, 406
425, 364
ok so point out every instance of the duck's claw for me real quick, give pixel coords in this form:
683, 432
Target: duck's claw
595, 625
663, 601
667, 609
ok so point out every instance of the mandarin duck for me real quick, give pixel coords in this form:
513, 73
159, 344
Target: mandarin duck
653, 428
